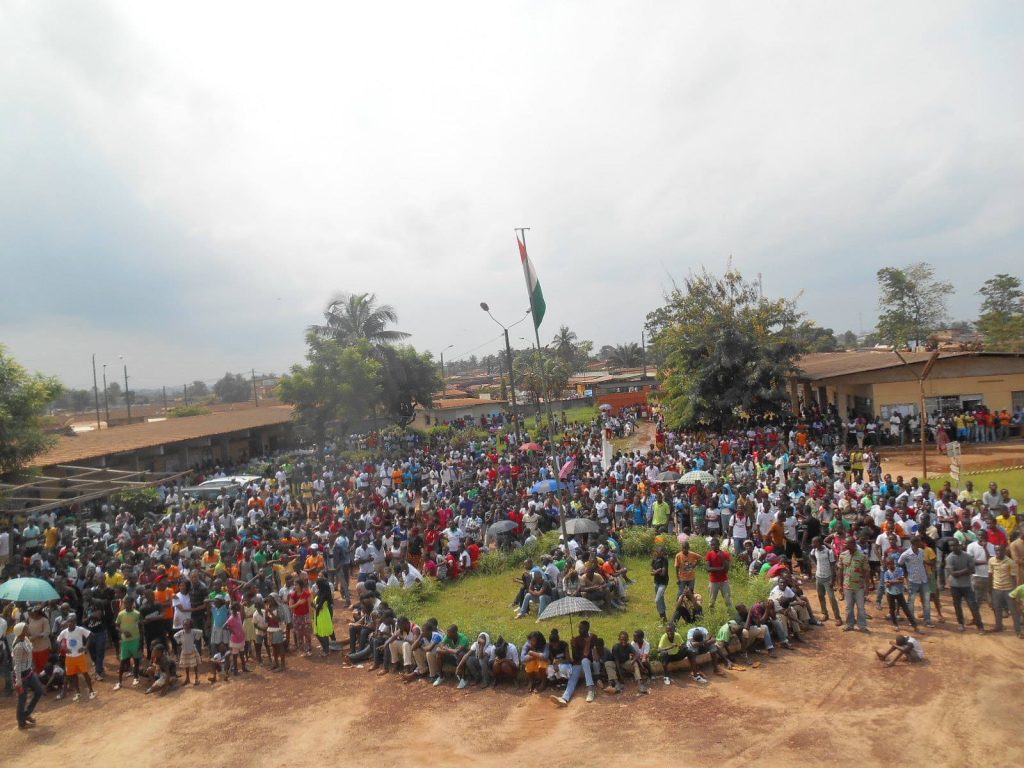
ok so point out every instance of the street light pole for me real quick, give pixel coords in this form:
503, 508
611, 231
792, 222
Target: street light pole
508, 357
924, 413
127, 394
444, 386
106, 403
95, 390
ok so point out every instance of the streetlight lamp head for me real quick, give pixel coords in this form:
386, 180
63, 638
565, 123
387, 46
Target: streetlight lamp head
484, 307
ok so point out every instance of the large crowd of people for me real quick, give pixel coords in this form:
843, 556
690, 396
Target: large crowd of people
211, 588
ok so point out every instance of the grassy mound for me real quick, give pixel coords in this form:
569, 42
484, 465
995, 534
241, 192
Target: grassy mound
482, 601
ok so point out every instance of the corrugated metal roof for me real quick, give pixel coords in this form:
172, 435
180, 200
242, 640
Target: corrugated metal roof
132, 437
827, 365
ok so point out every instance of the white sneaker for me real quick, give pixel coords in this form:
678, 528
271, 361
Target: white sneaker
667, 680
117, 687
92, 695
438, 680
591, 696
77, 697
462, 683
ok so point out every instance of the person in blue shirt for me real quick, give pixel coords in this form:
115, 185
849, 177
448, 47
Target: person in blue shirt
637, 512
894, 578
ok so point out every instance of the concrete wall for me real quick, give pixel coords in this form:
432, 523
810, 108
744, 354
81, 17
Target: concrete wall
994, 378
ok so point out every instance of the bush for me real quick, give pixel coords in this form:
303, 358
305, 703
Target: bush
410, 602
136, 500
641, 541
182, 411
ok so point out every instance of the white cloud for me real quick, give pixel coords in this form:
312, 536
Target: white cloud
393, 147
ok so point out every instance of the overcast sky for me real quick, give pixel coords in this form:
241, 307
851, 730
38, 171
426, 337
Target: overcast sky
186, 184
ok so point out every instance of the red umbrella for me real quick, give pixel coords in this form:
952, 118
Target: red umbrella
530, 447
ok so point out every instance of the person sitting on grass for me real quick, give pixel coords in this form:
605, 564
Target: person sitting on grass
560, 666
623, 661
454, 646
537, 591
689, 607
904, 647
670, 648
506, 662
699, 641
643, 656
535, 661
476, 665
162, 670
730, 631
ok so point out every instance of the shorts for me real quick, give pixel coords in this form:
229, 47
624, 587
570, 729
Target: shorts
219, 636
276, 637
130, 649
77, 665
237, 647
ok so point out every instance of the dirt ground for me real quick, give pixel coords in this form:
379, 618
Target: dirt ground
829, 703
975, 457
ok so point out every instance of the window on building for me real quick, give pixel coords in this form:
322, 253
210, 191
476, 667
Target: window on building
1018, 400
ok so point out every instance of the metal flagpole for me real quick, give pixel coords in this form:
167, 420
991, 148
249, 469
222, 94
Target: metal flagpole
544, 380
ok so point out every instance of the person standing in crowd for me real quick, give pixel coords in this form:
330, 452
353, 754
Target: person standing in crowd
27, 684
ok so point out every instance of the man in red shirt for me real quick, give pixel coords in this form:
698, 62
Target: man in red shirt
718, 562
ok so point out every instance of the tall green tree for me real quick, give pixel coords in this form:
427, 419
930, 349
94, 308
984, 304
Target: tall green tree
233, 388
726, 349
338, 387
817, 339
564, 343
911, 303
198, 389
408, 379
350, 318
1001, 322
23, 401
630, 355
542, 374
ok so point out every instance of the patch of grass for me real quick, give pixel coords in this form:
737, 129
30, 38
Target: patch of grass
482, 602
1011, 479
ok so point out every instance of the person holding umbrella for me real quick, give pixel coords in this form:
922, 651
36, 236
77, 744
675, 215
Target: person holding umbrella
25, 678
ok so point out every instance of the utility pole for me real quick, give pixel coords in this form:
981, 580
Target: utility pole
185, 394
95, 390
643, 349
165, 400
444, 385
127, 394
255, 392
508, 356
106, 403
923, 415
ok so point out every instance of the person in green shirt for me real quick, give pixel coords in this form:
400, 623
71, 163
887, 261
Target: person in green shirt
661, 511
454, 646
854, 574
127, 622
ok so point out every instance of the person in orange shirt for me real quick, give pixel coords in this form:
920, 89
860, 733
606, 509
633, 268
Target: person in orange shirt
314, 562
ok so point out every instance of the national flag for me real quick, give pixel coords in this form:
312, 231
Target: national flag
532, 285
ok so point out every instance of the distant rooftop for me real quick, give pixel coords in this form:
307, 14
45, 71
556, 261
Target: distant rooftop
826, 365
132, 437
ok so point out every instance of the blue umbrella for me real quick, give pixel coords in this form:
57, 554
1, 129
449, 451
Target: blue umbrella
28, 590
546, 486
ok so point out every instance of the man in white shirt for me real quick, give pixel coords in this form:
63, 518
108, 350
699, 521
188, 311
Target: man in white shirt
981, 551
75, 639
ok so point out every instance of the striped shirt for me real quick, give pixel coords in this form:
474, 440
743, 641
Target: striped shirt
21, 657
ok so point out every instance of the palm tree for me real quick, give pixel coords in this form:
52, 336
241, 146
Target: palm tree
564, 343
354, 317
626, 355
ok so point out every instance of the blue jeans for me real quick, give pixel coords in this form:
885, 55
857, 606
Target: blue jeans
922, 590
587, 669
98, 649
542, 603
659, 598
855, 599
30, 683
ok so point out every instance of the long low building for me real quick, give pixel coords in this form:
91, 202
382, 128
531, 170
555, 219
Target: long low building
878, 382
174, 444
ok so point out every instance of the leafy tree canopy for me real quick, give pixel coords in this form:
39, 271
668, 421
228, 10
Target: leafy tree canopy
911, 303
23, 401
726, 349
1001, 322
